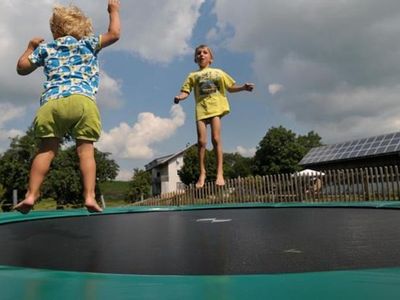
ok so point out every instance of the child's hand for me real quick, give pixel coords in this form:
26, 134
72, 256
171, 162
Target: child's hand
180, 97
113, 5
34, 43
248, 86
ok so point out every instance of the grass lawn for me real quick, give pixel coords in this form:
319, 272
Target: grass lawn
114, 190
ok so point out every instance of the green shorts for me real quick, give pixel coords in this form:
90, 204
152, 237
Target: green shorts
76, 115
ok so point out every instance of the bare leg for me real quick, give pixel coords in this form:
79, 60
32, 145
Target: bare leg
40, 166
87, 164
201, 147
217, 143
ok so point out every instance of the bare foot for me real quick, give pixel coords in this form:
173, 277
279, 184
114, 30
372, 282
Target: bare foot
25, 206
220, 181
200, 182
92, 206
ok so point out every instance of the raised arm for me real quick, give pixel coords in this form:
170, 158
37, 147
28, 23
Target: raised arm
24, 65
114, 27
238, 88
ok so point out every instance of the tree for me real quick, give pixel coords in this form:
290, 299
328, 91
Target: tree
140, 185
281, 150
311, 140
106, 168
234, 166
63, 182
15, 164
190, 171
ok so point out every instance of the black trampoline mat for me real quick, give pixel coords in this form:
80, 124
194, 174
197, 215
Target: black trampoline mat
208, 242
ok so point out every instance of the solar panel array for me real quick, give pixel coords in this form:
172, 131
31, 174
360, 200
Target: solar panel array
382, 144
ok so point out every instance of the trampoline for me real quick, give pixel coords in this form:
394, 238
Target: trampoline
285, 251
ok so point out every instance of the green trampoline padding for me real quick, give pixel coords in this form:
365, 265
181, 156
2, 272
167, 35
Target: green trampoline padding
36, 284
49, 285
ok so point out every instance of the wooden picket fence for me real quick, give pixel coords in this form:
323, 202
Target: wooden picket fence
346, 185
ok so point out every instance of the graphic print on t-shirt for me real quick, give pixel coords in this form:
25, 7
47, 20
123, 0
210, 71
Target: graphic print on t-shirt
208, 84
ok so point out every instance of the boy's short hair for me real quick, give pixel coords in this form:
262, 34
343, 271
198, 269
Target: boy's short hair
70, 20
201, 47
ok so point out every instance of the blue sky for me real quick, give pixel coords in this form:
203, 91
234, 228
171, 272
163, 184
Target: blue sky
328, 66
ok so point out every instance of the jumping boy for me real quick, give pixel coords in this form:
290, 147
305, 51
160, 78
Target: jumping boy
68, 102
210, 86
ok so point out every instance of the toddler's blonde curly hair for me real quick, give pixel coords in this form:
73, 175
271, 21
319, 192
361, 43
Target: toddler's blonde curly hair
70, 20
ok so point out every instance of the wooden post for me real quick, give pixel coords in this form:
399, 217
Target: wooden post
15, 197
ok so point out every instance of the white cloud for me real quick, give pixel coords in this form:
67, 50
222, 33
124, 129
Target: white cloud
275, 88
246, 152
154, 30
14, 40
338, 60
9, 112
124, 175
110, 93
157, 30
362, 111
135, 141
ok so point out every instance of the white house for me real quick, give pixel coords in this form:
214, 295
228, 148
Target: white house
164, 173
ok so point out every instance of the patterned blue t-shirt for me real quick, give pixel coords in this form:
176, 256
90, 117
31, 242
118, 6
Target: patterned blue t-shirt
70, 67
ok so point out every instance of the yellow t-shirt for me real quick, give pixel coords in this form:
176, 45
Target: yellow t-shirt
210, 87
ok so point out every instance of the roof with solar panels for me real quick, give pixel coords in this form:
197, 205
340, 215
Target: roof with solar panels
381, 145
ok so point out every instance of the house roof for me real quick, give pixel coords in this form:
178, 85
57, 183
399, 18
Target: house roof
361, 148
165, 159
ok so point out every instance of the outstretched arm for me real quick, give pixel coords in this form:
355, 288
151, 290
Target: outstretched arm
24, 65
180, 97
114, 27
238, 88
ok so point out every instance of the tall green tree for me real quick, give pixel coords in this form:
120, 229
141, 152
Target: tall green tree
139, 186
281, 150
